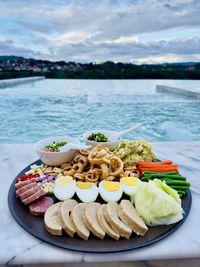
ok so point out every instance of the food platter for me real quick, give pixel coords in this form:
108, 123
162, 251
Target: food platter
35, 226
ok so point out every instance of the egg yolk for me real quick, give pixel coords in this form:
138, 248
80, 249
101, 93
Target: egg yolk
130, 181
84, 185
111, 186
64, 180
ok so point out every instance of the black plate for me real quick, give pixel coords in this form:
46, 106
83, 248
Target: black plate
35, 226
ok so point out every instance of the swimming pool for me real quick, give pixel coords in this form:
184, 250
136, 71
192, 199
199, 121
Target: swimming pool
45, 108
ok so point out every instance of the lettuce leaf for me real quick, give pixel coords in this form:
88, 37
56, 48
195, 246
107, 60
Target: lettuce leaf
157, 203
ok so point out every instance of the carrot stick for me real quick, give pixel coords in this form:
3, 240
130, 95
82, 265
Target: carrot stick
160, 169
154, 164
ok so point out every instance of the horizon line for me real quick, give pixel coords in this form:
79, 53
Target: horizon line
102, 62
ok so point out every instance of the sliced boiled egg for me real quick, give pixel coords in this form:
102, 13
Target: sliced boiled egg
128, 184
65, 188
86, 191
110, 190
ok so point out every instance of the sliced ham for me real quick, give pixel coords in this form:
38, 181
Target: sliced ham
33, 197
39, 206
26, 182
29, 192
24, 188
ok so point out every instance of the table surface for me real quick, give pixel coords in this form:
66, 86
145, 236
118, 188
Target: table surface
19, 247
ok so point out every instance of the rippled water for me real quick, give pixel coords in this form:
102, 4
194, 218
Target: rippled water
45, 108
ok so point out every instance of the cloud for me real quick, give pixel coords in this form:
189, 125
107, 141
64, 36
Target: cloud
133, 51
124, 40
102, 30
8, 47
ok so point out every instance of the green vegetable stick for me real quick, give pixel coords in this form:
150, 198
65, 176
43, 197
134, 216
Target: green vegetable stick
164, 179
175, 177
162, 173
181, 192
145, 179
175, 182
177, 187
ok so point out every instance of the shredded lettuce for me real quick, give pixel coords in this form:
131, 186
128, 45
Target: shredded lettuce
157, 203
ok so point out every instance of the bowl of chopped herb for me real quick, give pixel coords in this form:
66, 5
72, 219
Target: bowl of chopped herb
49, 152
105, 137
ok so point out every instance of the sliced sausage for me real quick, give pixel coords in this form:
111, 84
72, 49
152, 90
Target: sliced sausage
39, 206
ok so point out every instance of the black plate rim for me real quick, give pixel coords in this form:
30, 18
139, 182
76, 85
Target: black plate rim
98, 250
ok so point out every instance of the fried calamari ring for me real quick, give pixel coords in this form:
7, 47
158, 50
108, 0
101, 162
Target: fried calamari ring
92, 175
99, 155
70, 172
66, 165
104, 171
80, 176
84, 152
93, 166
83, 160
116, 166
78, 167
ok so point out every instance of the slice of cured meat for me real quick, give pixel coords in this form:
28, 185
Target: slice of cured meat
29, 192
22, 189
33, 197
39, 206
21, 184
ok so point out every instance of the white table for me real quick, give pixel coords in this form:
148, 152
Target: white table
19, 247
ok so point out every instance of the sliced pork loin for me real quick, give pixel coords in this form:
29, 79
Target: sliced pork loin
129, 215
91, 221
52, 219
104, 224
40, 206
39, 193
112, 216
65, 216
77, 220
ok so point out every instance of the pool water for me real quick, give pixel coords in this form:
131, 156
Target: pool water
46, 108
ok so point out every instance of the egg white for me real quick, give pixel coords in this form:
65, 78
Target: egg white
63, 192
129, 189
109, 196
87, 195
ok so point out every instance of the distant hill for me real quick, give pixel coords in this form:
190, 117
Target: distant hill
11, 58
13, 66
17, 58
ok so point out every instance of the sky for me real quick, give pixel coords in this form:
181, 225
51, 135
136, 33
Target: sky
136, 31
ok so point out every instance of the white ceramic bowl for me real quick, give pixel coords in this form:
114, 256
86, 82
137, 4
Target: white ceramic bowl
112, 144
55, 158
